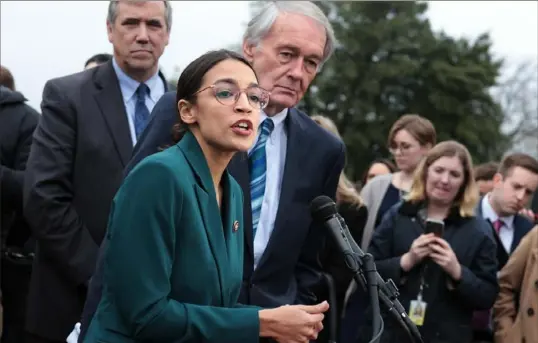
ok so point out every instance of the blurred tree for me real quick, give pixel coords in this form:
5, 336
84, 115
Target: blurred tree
518, 96
389, 63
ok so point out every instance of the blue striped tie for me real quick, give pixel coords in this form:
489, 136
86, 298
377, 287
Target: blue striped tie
141, 110
258, 169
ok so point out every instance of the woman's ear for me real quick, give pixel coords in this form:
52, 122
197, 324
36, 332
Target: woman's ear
187, 112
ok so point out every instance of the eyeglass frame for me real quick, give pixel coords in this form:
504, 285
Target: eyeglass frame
241, 91
403, 150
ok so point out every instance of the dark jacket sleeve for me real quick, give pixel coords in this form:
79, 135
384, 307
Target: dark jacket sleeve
308, 270
479, 286
12, 177
48, 190
382, 248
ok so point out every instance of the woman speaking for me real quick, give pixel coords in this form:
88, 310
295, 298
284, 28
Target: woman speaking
174, 261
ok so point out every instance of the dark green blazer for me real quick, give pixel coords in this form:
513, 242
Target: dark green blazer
173, 267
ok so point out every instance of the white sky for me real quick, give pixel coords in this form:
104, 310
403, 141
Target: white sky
41, 40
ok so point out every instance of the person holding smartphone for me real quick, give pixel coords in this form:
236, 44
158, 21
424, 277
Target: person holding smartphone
441, 257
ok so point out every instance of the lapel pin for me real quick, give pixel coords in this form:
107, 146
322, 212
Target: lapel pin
236, 226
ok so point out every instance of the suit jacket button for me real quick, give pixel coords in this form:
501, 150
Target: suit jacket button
530, 312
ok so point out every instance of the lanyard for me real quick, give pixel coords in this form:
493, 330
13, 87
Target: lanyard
421, 219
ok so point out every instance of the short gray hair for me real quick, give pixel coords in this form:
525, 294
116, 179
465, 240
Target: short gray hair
260, 25
113, 13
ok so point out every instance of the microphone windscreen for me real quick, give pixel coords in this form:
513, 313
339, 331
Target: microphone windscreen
322, 207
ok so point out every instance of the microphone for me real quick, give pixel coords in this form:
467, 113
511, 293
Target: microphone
323, 210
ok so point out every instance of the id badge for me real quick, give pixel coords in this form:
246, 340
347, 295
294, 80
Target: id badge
417, 311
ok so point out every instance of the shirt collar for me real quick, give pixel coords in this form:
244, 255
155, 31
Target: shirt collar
489, 213
278, 118
129, 85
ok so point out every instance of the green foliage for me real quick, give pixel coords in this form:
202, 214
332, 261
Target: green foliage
389, 63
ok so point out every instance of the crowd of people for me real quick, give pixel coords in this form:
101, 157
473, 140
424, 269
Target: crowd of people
131, 212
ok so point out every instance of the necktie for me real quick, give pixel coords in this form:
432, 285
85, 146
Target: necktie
141, 110
258, 168
497, 225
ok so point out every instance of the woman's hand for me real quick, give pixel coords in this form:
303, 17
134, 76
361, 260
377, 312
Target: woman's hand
293, 324
419, 249
444, 256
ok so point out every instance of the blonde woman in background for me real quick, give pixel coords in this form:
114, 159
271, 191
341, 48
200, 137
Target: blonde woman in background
409, 139
350, 206
448, 273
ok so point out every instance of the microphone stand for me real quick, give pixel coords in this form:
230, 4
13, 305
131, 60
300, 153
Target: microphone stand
358, 265
387, 291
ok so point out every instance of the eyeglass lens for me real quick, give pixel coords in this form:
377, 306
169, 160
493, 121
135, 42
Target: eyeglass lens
228, 94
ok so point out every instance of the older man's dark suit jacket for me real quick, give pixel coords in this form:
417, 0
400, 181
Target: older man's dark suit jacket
80, 150
288, 269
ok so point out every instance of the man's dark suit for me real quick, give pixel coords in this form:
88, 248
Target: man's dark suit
522, 226
80, 149
285, 274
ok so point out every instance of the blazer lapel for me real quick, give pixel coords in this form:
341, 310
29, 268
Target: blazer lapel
110, 101
292, 171
231, 223
239, 169
207, 201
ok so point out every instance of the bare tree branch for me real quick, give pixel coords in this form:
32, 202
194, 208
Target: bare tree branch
518, 96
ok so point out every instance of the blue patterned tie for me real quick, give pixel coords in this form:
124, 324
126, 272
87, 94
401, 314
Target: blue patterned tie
258, 169
141, 110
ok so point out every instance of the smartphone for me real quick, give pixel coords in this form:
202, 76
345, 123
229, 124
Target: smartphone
437, 227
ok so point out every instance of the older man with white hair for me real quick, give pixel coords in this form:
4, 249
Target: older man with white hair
287, 43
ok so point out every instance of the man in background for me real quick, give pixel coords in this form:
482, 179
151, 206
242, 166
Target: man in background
513, 186
97, 60
483, 175
17, 123
90, 123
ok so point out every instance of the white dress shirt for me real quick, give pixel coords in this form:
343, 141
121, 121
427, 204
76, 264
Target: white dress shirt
506, 233
128, 87
275, 149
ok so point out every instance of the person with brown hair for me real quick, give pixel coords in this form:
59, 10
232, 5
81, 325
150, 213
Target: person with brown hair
513, 186
410, 138
6, 78
380, 166
182, 205
286, 42
448, 273
483, 175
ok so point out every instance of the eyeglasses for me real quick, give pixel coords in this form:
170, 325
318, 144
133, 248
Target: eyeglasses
228, 94
404, 149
